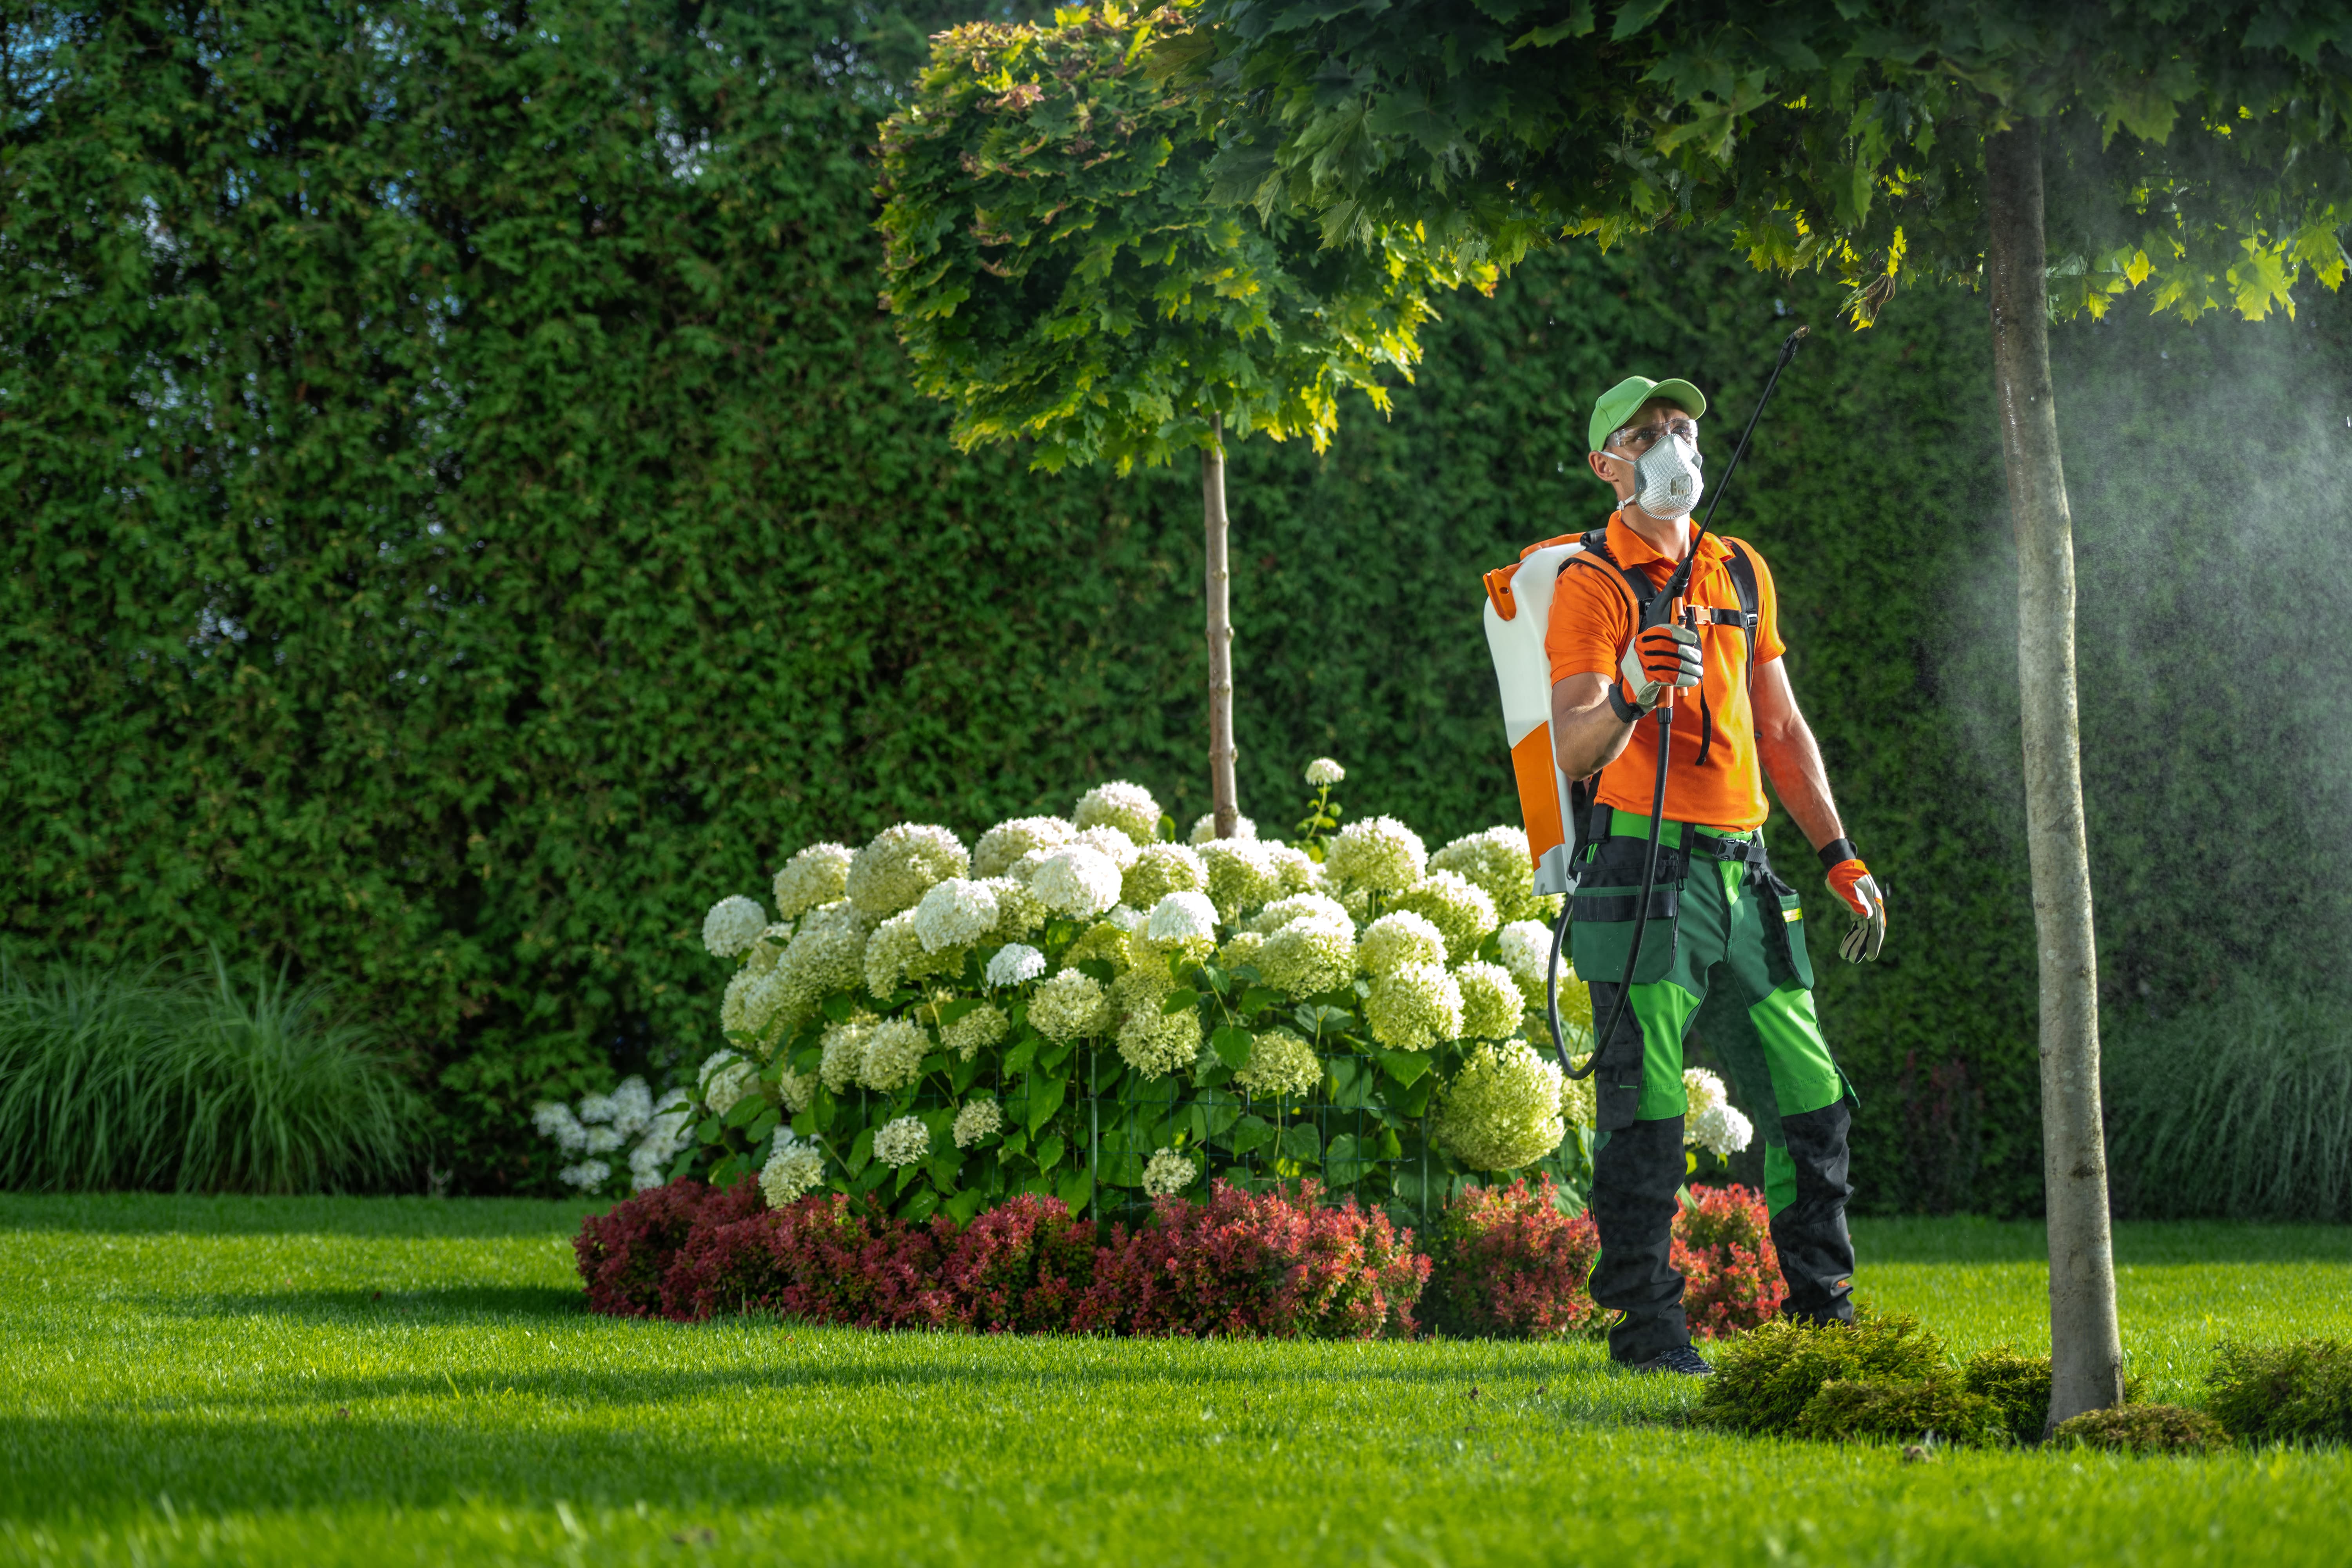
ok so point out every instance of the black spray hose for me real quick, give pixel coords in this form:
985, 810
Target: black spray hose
1663, 610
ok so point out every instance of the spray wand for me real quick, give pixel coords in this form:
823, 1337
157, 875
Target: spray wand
1663, 609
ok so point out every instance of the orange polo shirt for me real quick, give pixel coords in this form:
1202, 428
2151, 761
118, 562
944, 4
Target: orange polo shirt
1592, 625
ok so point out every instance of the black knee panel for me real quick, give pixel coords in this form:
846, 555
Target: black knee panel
1810, 1233
1636, 1175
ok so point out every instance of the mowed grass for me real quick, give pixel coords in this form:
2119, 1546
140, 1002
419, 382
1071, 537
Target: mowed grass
322, 1381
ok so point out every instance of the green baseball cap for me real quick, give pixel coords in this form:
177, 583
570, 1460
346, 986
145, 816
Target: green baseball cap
1621, 402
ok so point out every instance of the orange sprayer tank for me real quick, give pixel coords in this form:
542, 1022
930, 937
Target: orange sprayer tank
1518, 608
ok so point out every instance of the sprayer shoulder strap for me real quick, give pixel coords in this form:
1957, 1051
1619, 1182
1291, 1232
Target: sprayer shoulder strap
1742, 567
1638, 588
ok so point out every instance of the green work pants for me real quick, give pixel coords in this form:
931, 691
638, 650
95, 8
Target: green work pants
1721, 926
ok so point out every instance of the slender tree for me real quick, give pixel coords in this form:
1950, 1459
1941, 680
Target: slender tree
1060, 276
2052, 156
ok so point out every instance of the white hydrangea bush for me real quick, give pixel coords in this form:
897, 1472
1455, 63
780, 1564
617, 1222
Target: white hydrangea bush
1089, 1005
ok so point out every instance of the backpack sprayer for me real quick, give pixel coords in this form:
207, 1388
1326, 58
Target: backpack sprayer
1518, 609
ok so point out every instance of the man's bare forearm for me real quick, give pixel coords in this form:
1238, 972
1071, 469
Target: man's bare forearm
1586, 733
1793, 759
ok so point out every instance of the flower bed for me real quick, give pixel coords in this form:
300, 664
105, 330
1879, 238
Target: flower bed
1272, 1265
1242, 1264
1084, 1008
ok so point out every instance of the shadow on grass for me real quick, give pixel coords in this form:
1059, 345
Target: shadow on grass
177, 1214
1969, 1239
348, 1308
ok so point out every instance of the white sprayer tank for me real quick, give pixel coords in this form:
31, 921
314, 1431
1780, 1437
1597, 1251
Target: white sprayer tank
1518, 608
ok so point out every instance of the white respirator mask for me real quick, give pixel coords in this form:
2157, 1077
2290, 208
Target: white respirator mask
1667, 482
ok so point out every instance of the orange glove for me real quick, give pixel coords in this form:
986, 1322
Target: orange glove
1851, 879
1657, 661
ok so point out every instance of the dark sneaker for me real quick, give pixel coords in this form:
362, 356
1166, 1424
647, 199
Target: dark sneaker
1681, 1360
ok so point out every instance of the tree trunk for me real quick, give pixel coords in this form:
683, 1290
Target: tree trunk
1223, 796
2086, 1349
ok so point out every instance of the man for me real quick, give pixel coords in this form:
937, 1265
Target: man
1719, 918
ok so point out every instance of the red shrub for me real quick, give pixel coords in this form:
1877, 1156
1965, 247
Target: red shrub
1731, 1273
625, 1252
1256, 1264
821, 1260
1511, 1265
1021, 1267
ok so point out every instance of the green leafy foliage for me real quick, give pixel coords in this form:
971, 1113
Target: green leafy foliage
1058, 271
2143, 1429
2018, 1387
2298, 1392
207, 1082
1767, 1381
2197, 150
1935, 1408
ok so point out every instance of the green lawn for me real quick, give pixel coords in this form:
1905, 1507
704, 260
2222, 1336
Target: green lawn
378, 1381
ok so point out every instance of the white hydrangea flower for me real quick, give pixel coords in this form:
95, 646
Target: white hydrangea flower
1019, 911
1293, 871
795, 1168
977, 1120
1720, 1129
1395, 940
1413, 1008
594, 1107
1309, 956
1502, 1112
730, 1084
1160, 869
555, 1119
1015, 963
1103, 942
893, 1057
1167, 1173
1156, 1044
1240, 948
1527, 952
632, 1107
1497, 862
1461, 913
1110, 841
1069, 1006
1182, 918
1130, 920
1205, 830
983, 1026
1576, 1097
665, 1135
890, 953
587, 1175
955, 913
1242, 875
905, 1142
1298, 907
844, 1047
1126, 807
1280, 1063
1323, 773
603, 1140
1703, 1090
817, 875
733, 924
1491, 1004
827, 953
1003, 844
1079, 881
1378, 855
894, 872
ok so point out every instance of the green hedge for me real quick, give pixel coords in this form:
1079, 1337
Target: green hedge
471, 513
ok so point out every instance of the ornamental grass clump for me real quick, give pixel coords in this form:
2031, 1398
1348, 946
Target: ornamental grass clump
2298, 1392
